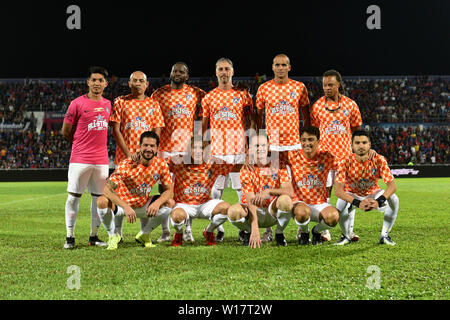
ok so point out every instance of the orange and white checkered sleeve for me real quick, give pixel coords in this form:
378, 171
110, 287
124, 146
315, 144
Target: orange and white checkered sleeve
355, 117
165, 177
385, 171
314, 116
247, 178
120, 173
304, 99
260, 98
284, 176
341, 174
116, 111
205, 107
158, 118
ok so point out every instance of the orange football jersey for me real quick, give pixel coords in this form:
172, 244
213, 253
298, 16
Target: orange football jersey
179, 108
335, 127
261, 179
135, 181
361, 178
226, 110
135, 117
281, 103
309, 177
193, 183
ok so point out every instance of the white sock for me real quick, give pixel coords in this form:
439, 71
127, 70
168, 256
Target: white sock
303, 226
72, 206
107, 219
329, 200
283, 218
390, 214
177, 226
321, 226
216, 193
152, 223
95, 220
165, 224
216, 221
188, 223
239, 194
345, 217
119, 216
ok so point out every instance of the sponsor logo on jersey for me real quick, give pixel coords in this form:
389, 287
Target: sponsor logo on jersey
225, 114
283, 107
137, 124
335, 127
363, 184
179, 111
99, 124
142, 190
196, 190
311, 181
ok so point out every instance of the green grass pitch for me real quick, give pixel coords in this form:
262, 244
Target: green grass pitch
34, 265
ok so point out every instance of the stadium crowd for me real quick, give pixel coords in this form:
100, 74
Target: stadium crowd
381, 101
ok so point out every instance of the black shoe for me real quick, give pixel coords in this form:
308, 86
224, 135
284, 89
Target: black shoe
304, 238
220, 236
281, 241
241, 235
246, 239
95, 241
316, 237
70, 243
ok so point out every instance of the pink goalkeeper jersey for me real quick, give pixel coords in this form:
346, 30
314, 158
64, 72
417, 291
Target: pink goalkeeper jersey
90, 121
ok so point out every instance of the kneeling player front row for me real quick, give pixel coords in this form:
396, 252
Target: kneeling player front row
275, 188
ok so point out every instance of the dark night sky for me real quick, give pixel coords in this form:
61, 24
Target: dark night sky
151, 36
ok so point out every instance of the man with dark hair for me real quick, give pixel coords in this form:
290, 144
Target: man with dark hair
181, 106
86, 126
132, 115
337, 116
194, 180
127, 193
357, 187
310, 167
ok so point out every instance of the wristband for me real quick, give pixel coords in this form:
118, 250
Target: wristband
356, 202
381, 200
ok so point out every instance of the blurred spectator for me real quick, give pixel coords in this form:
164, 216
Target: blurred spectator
416, 100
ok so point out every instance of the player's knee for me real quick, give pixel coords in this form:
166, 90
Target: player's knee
221, 208
235, 212
102, 202
331, 217
302, 213
178, 215
284, 203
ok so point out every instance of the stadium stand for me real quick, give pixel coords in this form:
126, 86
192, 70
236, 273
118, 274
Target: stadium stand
408, 116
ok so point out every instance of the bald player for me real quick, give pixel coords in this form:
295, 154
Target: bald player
132, 115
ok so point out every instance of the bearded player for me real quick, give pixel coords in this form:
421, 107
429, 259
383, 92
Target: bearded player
127, 193
356, 186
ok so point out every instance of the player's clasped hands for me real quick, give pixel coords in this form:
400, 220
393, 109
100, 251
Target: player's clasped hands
368, 204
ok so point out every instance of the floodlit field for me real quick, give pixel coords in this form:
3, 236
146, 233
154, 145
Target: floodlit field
34, 265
